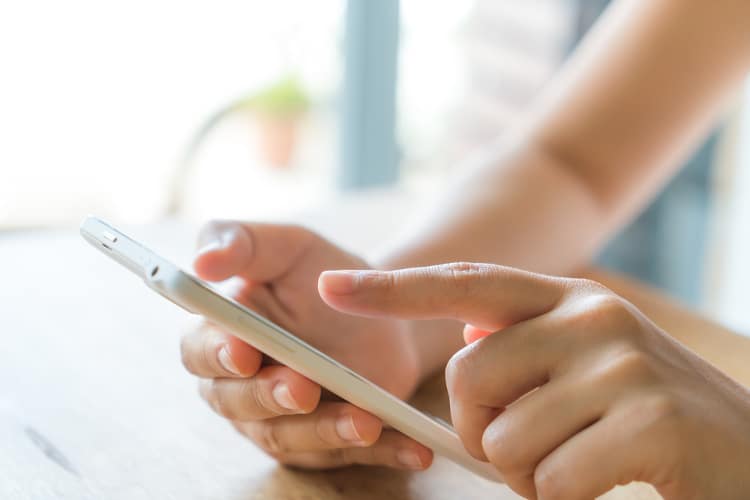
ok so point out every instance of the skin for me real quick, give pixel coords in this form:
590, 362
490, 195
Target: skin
575, 382
283, 412
614, 126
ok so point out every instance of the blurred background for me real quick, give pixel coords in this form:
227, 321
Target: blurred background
143, 111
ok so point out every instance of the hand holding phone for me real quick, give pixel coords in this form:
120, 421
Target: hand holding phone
278, 268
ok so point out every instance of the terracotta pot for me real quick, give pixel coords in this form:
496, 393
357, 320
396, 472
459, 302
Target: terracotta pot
277, 139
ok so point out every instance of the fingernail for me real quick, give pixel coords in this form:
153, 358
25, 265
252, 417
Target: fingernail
346, 430
283, 396
217, 242
211, 246
409, 458
341, 282
226, 361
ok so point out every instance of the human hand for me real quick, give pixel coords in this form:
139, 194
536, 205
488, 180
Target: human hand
578, 392
276, 268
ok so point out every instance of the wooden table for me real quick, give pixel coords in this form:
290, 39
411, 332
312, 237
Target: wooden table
94, 402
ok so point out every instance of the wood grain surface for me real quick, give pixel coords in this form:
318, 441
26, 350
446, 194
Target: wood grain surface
94, 403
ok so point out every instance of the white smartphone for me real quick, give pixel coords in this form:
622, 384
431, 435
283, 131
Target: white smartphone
198, 297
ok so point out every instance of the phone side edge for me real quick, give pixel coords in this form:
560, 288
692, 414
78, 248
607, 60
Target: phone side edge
329, 373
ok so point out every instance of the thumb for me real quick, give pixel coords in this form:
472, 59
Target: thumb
256, 252
487, 296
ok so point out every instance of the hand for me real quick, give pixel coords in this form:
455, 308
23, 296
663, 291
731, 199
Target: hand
276, 270
579, 392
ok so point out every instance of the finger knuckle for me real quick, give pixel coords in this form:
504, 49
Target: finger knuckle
385, 281
207, 354
458, 374
502, 448
254, 431
661, 407
325, 433
252, 398
269, 440
587, 286
342, 456
186, 356
214, 396
550, 482
303, 237
221, 402
660, 413
606, 314
628, 364
465, 275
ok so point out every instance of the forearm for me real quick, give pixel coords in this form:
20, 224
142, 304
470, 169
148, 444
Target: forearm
625, 111
518, 207
614, 126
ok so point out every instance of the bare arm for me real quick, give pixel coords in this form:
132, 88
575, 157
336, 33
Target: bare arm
611, 129
646, 84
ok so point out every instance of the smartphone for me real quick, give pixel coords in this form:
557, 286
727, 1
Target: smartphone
198, 297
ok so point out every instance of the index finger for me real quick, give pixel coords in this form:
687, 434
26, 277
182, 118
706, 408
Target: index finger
487, 296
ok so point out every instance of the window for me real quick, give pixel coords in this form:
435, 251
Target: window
99, 99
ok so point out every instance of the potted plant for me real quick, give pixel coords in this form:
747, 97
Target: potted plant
278, 110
